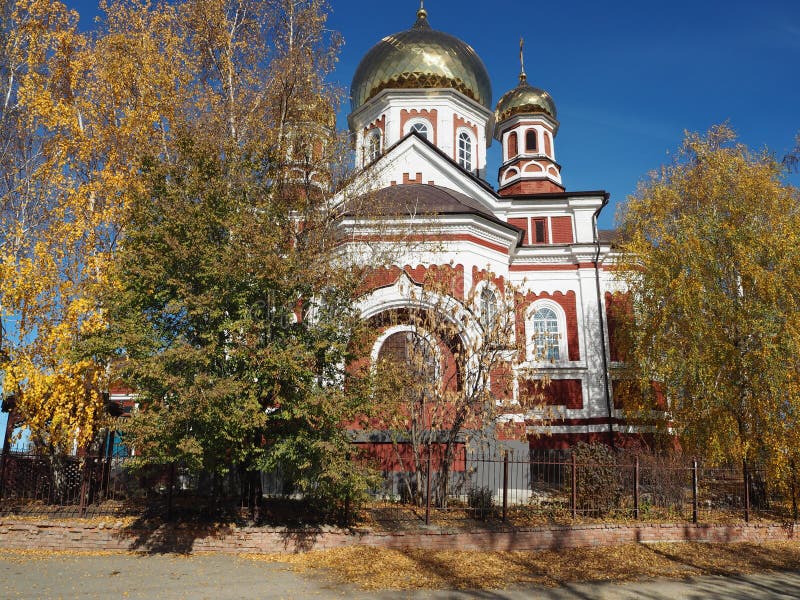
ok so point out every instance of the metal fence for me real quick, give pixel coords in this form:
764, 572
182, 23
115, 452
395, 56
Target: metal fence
39, 483
543, 487
531, 488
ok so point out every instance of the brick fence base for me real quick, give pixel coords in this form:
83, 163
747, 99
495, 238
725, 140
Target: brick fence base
88, 536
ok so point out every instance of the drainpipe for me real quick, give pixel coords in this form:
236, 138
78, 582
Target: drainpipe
602, 322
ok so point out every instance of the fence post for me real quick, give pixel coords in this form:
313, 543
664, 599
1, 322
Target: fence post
84, 483
636, 489
746, 491
574, 494
794, 491
6, 449
694, 490
428, 490
108, 457
505, 486
169, 490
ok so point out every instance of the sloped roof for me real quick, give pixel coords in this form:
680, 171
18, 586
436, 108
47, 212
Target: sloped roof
609, 236
421, 199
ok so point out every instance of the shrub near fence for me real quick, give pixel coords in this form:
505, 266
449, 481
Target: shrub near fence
536, 488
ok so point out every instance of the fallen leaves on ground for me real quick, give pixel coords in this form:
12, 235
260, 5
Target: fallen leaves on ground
20, 556
378, 569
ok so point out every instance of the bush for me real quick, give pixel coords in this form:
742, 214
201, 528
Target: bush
599, 481
665, 478
481, 501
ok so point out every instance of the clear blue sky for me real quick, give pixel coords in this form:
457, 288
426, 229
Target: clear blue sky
627, 77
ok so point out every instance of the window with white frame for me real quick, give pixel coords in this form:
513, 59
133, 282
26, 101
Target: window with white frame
422, 127
373, 146
465, 150
546, 335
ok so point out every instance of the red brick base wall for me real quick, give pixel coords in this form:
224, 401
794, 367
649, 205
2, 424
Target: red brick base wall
78, 536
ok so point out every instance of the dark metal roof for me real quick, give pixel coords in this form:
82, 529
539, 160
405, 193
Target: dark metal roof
420, 199
608, 236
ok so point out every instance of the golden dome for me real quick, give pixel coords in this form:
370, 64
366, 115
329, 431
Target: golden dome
524, 99
421, 57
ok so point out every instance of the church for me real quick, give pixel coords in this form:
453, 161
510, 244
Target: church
422, 117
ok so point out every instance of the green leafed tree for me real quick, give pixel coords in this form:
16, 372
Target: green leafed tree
710, 253
226, 307
211, 314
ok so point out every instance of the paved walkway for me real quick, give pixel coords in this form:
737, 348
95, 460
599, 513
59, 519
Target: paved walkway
223, 577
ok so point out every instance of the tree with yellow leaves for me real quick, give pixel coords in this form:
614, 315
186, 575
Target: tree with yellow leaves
711, 257
85, 118
49, 246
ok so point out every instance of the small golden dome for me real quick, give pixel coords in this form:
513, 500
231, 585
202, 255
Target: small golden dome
524, 99
421, 57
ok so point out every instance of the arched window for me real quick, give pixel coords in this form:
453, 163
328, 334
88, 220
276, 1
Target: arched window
512, 144
373, 146
421, 128
465, 150
530, 140
488, 308
410, 349
545, 335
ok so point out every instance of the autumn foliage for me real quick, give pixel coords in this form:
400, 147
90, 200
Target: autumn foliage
711, 258
163, 224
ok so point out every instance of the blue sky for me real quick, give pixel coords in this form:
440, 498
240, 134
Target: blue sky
627, 77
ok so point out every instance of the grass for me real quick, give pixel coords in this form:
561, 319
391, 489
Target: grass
381, 569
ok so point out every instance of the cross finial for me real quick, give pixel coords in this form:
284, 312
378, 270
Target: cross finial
522, 77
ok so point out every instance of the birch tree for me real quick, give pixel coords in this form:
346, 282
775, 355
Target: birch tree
711, 256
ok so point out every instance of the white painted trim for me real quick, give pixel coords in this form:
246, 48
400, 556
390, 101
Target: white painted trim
561, 319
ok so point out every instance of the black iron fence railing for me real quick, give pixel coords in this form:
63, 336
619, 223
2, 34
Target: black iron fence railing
534, 488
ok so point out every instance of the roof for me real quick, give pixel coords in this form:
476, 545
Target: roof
421, 199
608, 236
421, 57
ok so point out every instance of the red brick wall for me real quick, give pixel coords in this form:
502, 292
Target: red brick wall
567, 440
525, 188
568, 303
446, 276
558, 392
617, 306
502, 382
384, 456
430, 115
522, 223
561, 231
564, 392
83, 536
